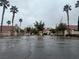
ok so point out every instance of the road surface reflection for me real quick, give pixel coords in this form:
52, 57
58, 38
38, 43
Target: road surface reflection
33, 47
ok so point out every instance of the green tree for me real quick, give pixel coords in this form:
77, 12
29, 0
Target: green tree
20, 20
78, 23
28, 29
61, 28
34, 31
39, 26
14, 10
22, 31
5, 5
67, 8
8, 22
77, 4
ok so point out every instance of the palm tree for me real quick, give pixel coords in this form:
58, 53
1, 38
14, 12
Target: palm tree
78, 23
5, 5
77, 4
20, 20
39, 26
8, 22
67, 8
14, 10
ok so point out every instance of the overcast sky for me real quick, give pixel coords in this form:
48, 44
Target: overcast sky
49, 11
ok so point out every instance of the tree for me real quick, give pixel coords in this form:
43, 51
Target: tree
17, 28
67, 8
5, 5
61, 27
20, 20
28, 29
8, 22
78, 23
39, 26
77, 4
14, 10
34, 31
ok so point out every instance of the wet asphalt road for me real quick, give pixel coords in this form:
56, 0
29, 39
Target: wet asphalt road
33, 47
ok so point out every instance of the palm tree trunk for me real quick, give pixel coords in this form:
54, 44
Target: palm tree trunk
12, 24
13, 19
68, 22
2, 18
78, 23
20, 29
20, 24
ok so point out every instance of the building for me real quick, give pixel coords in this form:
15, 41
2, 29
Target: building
6, 30
73, 30
46, 31
73, 27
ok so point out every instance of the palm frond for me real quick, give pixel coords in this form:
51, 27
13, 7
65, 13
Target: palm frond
77, 4
67, 7
4, 3
14, 9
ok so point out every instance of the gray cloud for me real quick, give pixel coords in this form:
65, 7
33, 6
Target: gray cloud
49, 11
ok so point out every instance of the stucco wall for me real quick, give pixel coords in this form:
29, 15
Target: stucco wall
72, 32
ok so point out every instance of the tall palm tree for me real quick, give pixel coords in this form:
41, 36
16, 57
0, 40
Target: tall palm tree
77, 4
67, 8
78, 23
8, 22
14, 10
5, 5
20, 20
